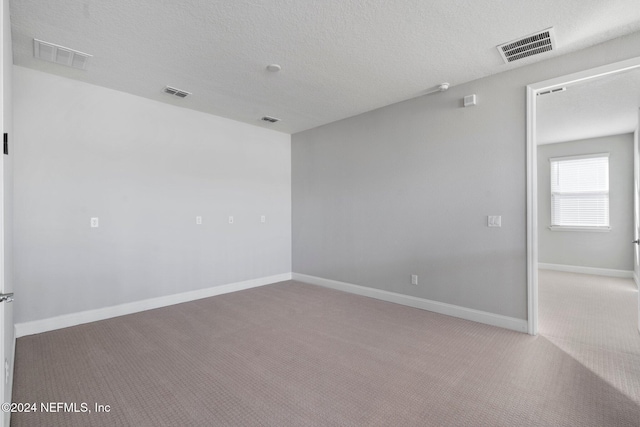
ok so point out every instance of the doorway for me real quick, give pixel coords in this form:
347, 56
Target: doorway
534, 91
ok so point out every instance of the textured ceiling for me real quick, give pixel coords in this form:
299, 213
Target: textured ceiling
604, 106
339, 58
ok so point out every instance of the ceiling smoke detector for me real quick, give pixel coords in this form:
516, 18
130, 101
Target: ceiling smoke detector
533, 44
442, 87
270, 119
60, 55
176, 92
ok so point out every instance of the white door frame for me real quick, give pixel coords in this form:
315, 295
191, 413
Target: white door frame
532, 174
636, 208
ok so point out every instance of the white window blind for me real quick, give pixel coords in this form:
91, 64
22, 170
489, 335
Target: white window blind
580, 191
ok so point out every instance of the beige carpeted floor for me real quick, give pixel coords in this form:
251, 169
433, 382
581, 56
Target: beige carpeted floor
291, 354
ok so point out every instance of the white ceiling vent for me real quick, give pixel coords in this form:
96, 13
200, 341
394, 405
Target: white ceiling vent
533, 44
177, 92
269, 119
556, 90
60, 54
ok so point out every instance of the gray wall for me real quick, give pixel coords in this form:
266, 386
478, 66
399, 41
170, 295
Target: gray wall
146, 169
406, 190
582, 248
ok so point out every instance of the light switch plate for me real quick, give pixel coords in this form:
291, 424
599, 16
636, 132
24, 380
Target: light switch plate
199, 220
230, 220
95, 223
494, 221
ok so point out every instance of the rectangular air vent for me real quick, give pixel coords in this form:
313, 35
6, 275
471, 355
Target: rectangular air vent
533, 44
60, 54
269, 119
547, 92
177, 92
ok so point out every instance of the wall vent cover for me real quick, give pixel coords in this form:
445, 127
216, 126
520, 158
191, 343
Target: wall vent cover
269, 119
533, 44
176, 92
60, 54
556, 90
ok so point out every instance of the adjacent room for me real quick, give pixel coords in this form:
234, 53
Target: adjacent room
586, 140
337, 213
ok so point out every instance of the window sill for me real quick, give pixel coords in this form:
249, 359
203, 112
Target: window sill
588, 229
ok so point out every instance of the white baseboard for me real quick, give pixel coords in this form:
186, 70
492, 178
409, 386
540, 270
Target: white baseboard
66, 320
506, 322
587, 270
636, 280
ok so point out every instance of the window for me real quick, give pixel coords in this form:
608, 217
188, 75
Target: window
580, 192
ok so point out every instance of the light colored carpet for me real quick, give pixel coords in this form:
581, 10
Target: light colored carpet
594, 319
291, 354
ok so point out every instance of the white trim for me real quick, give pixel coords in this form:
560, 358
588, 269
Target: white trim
532, 215
579, 228
532, 164
67, 320
579, 157
506, 322
609, 272
636, 280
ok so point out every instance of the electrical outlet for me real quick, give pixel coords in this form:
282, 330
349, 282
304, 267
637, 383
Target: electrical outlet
199, 220
94, 223
230, 220
263, 219
414, 279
